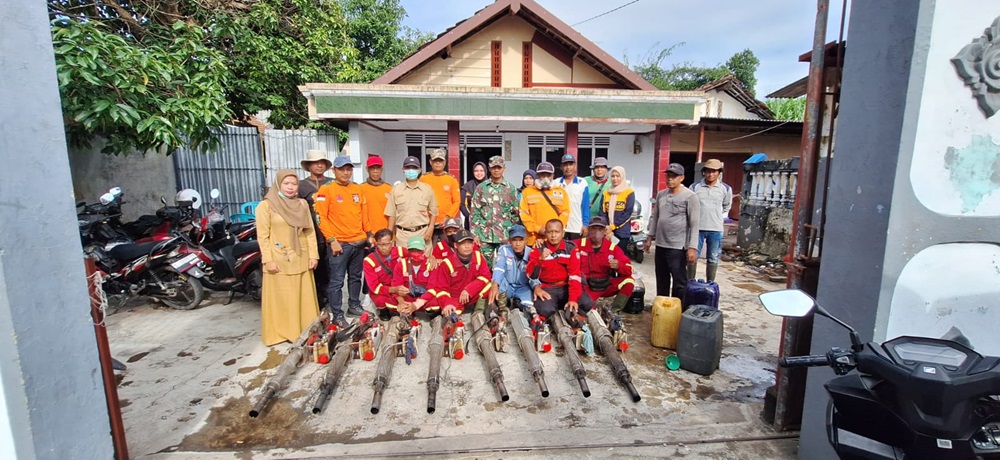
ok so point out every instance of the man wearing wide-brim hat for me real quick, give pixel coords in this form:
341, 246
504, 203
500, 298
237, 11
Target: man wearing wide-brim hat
716, 200
316, 164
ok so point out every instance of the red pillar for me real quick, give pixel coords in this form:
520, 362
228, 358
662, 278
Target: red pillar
661, 157
454, 160
572, 136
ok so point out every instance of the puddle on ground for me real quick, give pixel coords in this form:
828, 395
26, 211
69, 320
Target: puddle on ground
751, 288
182, 354
272, 361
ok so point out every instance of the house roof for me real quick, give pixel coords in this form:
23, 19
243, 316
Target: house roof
798, 88
734, 87
533, 13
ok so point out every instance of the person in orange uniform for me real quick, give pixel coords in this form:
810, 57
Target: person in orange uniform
606, 270
460, 281
446, 190
376, 193
541, 203
340, 206
379, 267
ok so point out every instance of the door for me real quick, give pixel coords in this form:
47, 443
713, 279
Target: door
477, 154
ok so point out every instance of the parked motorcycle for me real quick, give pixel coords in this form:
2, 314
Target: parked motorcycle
635, 249
912, 397
230, 264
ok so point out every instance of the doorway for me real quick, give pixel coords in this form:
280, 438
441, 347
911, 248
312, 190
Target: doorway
477, 154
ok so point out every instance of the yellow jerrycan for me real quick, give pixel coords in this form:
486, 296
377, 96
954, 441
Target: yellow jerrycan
667, 314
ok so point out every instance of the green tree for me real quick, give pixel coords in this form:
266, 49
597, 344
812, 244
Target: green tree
687, 76
743, 65
787, 109
375, 30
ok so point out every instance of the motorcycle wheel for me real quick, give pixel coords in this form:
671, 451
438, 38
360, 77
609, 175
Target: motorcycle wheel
190, 292
254, 282
639, 255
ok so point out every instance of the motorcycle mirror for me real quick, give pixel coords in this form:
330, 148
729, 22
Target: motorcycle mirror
214, 193
163, 200
116, 191
788, 302
107, 198
81, 204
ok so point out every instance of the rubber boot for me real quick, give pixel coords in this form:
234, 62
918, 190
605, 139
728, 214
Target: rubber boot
692, 270
710, 271
618, 304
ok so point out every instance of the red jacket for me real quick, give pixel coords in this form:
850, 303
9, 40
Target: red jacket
378, 271
561, 268
452, 277
442, 250
594, 262
404, 272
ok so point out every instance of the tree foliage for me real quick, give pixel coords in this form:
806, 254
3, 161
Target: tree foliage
687, 76
787, 109
147, 74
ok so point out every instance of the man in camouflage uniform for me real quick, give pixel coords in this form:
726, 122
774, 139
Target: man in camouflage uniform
494, 210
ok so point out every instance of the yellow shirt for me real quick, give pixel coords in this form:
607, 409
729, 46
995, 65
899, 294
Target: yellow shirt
274, 237
340, 209
535, 210
447, 192
376, 197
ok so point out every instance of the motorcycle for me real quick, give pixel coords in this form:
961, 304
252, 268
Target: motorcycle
912, 397
635, 249
230, 263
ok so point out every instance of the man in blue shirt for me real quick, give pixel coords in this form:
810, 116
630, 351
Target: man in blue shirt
510, 278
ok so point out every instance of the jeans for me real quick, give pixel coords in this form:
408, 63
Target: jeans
671, 264
524, 293
714, 245
349, 263
558, 301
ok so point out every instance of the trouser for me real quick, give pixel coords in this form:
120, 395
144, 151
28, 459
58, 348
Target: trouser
621, 285
402, 236
489, 251
383, 301
507, 292
671, 264
474, 298
560, 296
322, 272
714, 245
364, 286
348, 263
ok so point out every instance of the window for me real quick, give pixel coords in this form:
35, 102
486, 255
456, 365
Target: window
496, 52
526, 65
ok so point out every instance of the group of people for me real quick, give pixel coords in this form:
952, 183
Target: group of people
544, 246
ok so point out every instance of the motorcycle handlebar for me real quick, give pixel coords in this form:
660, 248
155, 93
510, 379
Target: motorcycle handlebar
804, 361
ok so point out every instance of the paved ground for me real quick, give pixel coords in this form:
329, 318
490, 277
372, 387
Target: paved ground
192, 376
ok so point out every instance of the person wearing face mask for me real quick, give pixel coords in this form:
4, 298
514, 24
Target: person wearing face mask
412, 207
542, 203
289, 252
469, 189
411, 276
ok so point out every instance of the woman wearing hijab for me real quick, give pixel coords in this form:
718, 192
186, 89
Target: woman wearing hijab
469, 189
527, 180
289, 253
618, 203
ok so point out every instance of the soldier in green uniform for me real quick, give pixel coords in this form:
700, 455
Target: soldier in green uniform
494, 210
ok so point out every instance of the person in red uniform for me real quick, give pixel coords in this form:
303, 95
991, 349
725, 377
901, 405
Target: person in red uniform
606, 270
411, 276
446, 247
460, 281
557, 266
378, 268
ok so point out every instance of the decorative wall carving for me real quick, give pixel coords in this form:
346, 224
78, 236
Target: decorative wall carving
978, 63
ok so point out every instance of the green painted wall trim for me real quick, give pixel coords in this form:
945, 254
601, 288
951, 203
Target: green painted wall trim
451, 106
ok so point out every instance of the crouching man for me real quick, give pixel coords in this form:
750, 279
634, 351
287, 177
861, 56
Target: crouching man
606, 269
510, 276
460, 281
556, 265
411, 276
378, 268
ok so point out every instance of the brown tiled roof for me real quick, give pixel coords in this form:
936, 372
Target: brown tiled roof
734, 87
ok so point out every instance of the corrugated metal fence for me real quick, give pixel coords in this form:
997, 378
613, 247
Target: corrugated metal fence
236, 169
287, 147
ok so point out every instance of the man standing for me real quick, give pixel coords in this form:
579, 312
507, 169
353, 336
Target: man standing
340, 205
446, 189
606, 270
376, 193
510, 276
556, 267
673, 228
541, 203
411, 207
597, 183
579, 199
494, 209
379, 268
317, 165
715, 198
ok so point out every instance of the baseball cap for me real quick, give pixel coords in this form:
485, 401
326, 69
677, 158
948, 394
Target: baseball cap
675, 168
599, 162
463, 235
342, 161
598, 221
712, 164
373, 160
496, 160
438, 154
517, 231
411, 162
568, 158
416, 242
452, 222
545, 168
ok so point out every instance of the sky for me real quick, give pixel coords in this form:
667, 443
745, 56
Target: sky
777, 31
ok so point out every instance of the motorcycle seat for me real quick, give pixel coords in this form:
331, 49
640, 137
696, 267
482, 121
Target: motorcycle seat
245, 247
127, 252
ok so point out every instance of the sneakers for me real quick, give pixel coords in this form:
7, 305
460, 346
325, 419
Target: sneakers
366, 301
355, 310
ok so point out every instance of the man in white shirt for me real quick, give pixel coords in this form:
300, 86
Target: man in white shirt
579, 199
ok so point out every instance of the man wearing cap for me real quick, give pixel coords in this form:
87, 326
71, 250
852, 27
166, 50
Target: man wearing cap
597, 183
379, 267
460, 281
376, 193
579, 199
673, 229
411, 207
556, 268
317, 164
494, 209
510, 275
446, 189
541, 203
606, 270
340, 206
411, 276
445, 247
716, 198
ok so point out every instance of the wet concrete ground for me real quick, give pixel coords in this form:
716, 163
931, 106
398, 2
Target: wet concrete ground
194, 375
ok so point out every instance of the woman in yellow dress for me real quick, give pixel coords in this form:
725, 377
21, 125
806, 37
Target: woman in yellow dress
289, 253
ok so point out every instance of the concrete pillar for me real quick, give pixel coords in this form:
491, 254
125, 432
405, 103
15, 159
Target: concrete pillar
661, 157
355, 147
571, 133
50, 380
454, 150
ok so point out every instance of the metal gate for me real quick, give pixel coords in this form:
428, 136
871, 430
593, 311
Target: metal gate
287, 147
236, 168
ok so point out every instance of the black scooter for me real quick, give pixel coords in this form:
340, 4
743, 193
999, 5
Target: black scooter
912, 397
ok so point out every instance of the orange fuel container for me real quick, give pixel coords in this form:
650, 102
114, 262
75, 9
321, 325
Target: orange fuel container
667, 314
